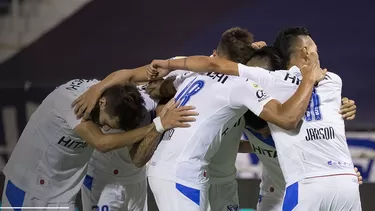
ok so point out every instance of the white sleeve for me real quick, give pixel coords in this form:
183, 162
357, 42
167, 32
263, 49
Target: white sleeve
256, 74
176, 73
64, 109
248, 94
181, 78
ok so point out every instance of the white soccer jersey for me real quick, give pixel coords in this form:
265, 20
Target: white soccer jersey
50, 160
222, 168
184, 153
118, 163
272, 177
318, 147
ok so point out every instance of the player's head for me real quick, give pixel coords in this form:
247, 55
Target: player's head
120, 107
162, 88
235, 45
296, 47
267, 58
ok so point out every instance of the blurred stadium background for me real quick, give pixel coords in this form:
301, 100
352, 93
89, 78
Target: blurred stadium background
44, 43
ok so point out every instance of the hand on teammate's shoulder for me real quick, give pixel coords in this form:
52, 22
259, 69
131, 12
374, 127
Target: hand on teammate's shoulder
173, 116
313, 72
84, 104
158, 69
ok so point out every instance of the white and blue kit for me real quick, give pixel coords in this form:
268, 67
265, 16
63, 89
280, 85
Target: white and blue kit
48, 165
112, 179
177, 171
315, 159
272, 185
223, 191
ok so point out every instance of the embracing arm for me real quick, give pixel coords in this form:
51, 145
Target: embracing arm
142, 151
287, 115
125, 75
92, 134
199, 64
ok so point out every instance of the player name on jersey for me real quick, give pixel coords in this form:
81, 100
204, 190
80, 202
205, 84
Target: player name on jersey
325, 133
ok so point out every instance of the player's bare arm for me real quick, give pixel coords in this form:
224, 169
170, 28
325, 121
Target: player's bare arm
92, 134
84, 104
290, 113
348, 109
198, 64
143, 151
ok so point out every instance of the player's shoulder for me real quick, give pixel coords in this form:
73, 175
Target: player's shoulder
281, 74
334, 77
243, 83
76, 86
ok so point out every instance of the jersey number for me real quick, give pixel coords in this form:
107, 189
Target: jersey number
313, 109
191, 89
104, 208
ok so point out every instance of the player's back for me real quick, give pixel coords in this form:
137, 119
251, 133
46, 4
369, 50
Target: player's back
272, 179
50, 159
222, 167
183, 153
318, 147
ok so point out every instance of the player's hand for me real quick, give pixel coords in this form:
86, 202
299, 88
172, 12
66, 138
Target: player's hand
358, 175
312, 71
158, 69
348, 109
84, 104
172, 117
258, 45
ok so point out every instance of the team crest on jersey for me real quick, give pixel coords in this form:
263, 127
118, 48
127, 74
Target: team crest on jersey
232, 207
298, 74
261, 95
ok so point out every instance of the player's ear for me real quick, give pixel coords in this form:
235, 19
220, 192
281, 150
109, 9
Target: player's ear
305, 53
214, 53
102, 102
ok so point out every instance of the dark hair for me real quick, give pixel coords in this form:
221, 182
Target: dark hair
235, 45
285, 40
254, 121
127, 103
270, 56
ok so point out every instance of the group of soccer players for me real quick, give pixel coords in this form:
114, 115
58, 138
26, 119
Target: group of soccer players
189, 122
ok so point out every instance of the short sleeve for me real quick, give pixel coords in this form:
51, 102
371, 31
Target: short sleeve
176, 73
62, 103
66, 94
181, 78
258, 75
246, 93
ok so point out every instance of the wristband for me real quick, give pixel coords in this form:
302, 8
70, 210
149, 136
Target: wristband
158, 126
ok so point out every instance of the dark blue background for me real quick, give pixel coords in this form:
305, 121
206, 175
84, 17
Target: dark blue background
111, 34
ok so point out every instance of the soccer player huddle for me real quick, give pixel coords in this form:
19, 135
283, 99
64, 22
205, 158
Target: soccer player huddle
188, 117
